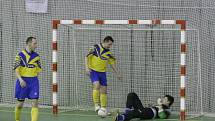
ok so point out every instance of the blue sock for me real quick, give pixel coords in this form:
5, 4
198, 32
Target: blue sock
120, 118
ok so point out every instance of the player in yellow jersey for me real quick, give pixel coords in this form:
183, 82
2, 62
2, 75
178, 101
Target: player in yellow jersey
96, 62
27, 67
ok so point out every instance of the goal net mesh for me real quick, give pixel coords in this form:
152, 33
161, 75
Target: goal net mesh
148, 56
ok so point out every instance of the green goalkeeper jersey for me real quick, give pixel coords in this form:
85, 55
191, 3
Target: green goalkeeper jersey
162, 112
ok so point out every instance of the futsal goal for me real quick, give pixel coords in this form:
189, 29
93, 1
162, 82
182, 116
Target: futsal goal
155, 57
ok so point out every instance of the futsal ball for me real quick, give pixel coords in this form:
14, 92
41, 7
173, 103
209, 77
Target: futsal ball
102, 112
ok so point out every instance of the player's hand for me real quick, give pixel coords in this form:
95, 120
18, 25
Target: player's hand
88, 71
159, 101
22, 83
119, 76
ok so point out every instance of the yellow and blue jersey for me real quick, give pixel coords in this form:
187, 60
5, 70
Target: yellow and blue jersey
99, 57
27, 64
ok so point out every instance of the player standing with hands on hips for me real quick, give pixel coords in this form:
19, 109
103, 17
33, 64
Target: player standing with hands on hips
27, 67
96, 63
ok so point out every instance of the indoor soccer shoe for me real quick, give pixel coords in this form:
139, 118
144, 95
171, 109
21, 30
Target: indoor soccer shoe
97, 107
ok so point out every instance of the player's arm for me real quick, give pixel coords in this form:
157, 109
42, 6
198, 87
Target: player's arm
21, 81
16, 68
112, 62
113, 66
86, 66
87, 69
163, 114
39, 67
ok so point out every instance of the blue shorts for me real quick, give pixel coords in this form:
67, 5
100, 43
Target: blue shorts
98, 76
31, 91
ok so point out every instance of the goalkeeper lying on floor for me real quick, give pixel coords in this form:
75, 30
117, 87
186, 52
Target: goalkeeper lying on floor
135, 109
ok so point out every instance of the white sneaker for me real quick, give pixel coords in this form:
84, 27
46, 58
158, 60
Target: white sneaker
97, 107
102, 112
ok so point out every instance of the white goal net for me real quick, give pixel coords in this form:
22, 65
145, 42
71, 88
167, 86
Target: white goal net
148, 57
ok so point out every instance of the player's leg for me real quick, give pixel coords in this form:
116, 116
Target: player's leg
96, 95
96, 88
18, 109
34, 96
133, 102
20, 95
103, 90
34, 110
103, 96
127, 116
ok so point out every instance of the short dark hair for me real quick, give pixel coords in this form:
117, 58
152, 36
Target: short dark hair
170, 99
29, 39
108, 38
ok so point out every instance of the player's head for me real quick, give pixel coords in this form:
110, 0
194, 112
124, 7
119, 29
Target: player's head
168, 100
107, 42
31, 43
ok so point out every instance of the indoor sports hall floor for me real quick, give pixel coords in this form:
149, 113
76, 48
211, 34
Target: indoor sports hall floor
7, 114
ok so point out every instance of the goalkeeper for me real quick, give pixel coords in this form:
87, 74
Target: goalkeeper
135, 109
95, 63
27, 66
